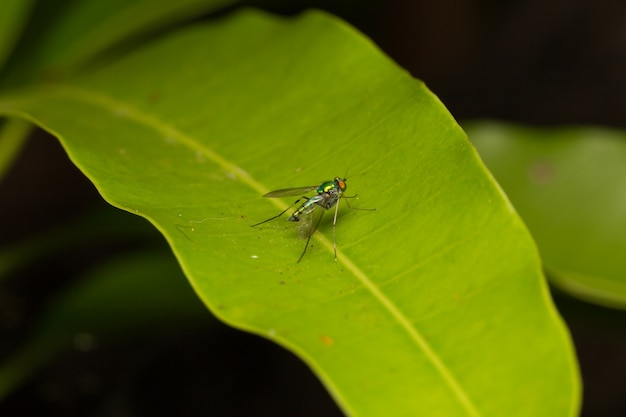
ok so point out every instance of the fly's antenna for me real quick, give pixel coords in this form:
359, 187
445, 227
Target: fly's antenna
346, 176
355, 175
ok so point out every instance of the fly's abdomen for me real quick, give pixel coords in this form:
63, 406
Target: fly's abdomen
304, 208
307, 207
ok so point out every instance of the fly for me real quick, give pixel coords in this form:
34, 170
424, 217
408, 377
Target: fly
310, 213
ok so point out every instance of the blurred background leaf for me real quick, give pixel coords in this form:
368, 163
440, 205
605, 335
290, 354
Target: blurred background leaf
569, 186
135, 296
13, 17
65, 35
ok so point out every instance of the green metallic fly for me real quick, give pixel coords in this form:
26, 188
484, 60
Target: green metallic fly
310, 213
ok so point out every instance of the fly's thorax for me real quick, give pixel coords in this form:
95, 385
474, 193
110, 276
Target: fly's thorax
326, 187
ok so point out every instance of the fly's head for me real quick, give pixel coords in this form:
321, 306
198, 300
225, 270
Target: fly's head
340, 184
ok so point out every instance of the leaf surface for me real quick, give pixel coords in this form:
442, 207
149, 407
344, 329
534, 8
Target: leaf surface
569, 186
436, 305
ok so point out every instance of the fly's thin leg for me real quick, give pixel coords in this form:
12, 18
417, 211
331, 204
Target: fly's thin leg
334, 234
309, 238
305, 247
355, 208
279, 214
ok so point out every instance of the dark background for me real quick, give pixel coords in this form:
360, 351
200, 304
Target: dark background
537, 62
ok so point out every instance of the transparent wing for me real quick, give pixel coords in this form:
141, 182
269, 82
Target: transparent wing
309, 221
286, 192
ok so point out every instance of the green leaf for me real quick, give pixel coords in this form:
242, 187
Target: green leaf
436, 305
13, 135
131, 295
86, 28
568, 185
13, 16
